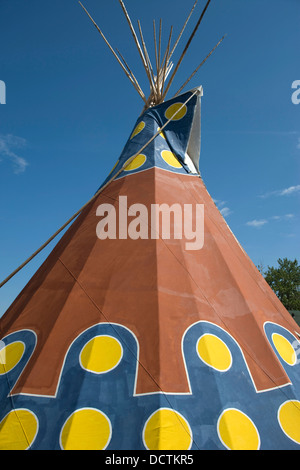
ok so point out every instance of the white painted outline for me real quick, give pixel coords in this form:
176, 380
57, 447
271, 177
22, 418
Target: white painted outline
175, 412
280, 326
278, 412
183, 172
87, 408
209, 365
66, 355
15, 410
273, 345
218, 326
137, 362
7, 336
105, 371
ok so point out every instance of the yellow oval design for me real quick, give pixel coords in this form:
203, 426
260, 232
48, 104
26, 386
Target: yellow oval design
161, 133
10, 355
167, 429
175, 108
18, 430
137, 162
237, 431
138, 129
214, 352
86, 429
170, 159
101, 354
284, 348
289, 419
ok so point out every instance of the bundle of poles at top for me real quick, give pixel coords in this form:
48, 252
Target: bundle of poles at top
159, 83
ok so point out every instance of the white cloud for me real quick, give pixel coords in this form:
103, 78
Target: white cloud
282, 217
219, 203
257, 223
225, 211
282, 192
270, 193
290, 190
8, 144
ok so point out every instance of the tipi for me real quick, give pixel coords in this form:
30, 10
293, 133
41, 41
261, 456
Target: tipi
148, 327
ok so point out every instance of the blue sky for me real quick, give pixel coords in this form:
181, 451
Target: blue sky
70, 109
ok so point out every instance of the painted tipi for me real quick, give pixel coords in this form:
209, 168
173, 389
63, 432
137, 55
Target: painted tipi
148, 327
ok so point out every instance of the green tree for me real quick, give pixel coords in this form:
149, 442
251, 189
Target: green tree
285, 282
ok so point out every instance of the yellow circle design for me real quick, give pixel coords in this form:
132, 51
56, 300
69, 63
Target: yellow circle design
138, 129
166, 429
289, 419
101, 354
170, 159
237, 431
214, 352
86, 429
18, 430
137, 162
175, 108
284, 348
161, 133
10, 355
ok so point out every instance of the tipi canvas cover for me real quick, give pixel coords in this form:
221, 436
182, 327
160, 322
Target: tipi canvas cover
148, 327
150, 341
